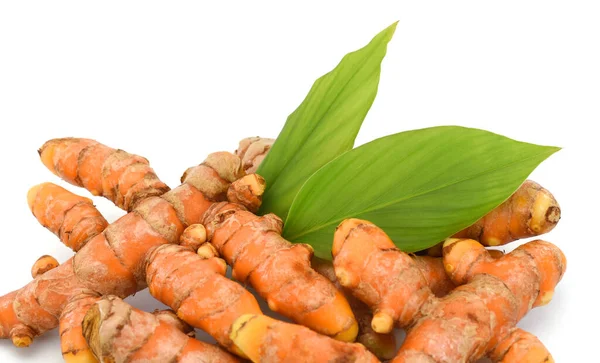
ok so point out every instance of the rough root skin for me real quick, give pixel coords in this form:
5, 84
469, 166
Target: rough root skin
72, 218
470, 321
117, 332
264, 339
73, 345
247, 191
123, 178
381, 345
113, 261
252, 151
278, 270
198, 291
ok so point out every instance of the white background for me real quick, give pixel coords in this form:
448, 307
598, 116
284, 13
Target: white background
174, 82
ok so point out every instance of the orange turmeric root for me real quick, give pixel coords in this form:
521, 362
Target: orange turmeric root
43, 265
252, 151
383, 346
264, 339
531, 211
278, 270
123, 178
72, 218
476, 319
117, 332
111, 262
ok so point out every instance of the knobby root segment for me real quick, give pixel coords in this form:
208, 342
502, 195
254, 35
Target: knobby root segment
252, 151
193, 236
473, 320
72, 218
43, 265
383, 346
123, 178
264, 339
117, 332
72, 343
278, 270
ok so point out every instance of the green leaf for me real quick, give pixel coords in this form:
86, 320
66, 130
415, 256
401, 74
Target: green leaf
325, 124
419, 186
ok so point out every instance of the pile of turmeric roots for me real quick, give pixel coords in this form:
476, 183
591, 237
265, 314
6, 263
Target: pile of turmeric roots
457, 302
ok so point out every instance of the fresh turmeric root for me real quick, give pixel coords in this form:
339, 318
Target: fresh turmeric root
383, 346
123, 178
531, 211
278, 270
476, 319
264, 339
117, 332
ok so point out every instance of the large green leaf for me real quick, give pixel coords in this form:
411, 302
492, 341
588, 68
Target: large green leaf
419, 186
325, 124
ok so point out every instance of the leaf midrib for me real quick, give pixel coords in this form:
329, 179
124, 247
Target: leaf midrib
396, 201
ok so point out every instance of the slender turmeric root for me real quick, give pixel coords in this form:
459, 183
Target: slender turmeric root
252, 151
264, 339
278, 270
117, 332
476, 319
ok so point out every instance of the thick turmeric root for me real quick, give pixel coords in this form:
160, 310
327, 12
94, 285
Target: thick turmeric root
117, 332
264, 339
466, 324
252, 151
278, 270
72, 343
123, 178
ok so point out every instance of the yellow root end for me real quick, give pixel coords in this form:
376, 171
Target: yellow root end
348, 335
382, 323
247, 332
43, 265
492, 242
451, 241
32, 194
207, 250
545, 213
82, 356
21, 341
343, 277
272, 304
546, 298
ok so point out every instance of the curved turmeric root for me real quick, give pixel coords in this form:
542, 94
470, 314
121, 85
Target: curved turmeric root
264, 339
117, 332
252, 151
278, 270
469, 322
123, 178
